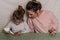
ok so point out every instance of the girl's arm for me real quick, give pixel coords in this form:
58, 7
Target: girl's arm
7, 28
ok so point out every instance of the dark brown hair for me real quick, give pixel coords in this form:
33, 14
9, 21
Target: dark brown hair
33, 5
34, 0
19, 13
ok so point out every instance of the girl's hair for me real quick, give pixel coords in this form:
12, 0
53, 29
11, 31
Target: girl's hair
19, 13
34, 0
33, 5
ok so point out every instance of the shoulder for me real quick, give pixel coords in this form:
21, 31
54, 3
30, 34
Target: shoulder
48, 12
10, 23
25, 23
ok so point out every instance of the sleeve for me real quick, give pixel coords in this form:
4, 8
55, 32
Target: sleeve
7, 27
38, 25
29, 22
54, 22
26, 27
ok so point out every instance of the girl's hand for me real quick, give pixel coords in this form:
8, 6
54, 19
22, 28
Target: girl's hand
17, 33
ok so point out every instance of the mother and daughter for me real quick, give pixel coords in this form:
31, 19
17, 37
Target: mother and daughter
38, 20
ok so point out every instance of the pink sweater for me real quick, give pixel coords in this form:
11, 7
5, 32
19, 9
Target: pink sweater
43, 23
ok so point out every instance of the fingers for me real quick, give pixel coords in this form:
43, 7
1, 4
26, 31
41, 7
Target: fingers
52, 31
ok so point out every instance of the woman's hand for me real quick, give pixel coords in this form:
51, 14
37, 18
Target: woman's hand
52, 31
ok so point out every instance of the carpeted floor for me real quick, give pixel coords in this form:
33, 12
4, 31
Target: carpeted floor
29, 36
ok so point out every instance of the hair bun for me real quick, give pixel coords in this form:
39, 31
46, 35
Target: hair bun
34, 0
19, 7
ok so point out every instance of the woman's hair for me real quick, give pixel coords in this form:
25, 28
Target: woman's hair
33, 5
19, 13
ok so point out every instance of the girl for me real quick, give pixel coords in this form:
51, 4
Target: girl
17, 25
39, 20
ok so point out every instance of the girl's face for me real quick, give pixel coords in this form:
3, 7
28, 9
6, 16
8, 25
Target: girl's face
17, 21
31, 14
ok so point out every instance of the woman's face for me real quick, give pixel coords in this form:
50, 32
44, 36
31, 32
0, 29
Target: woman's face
31, 14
